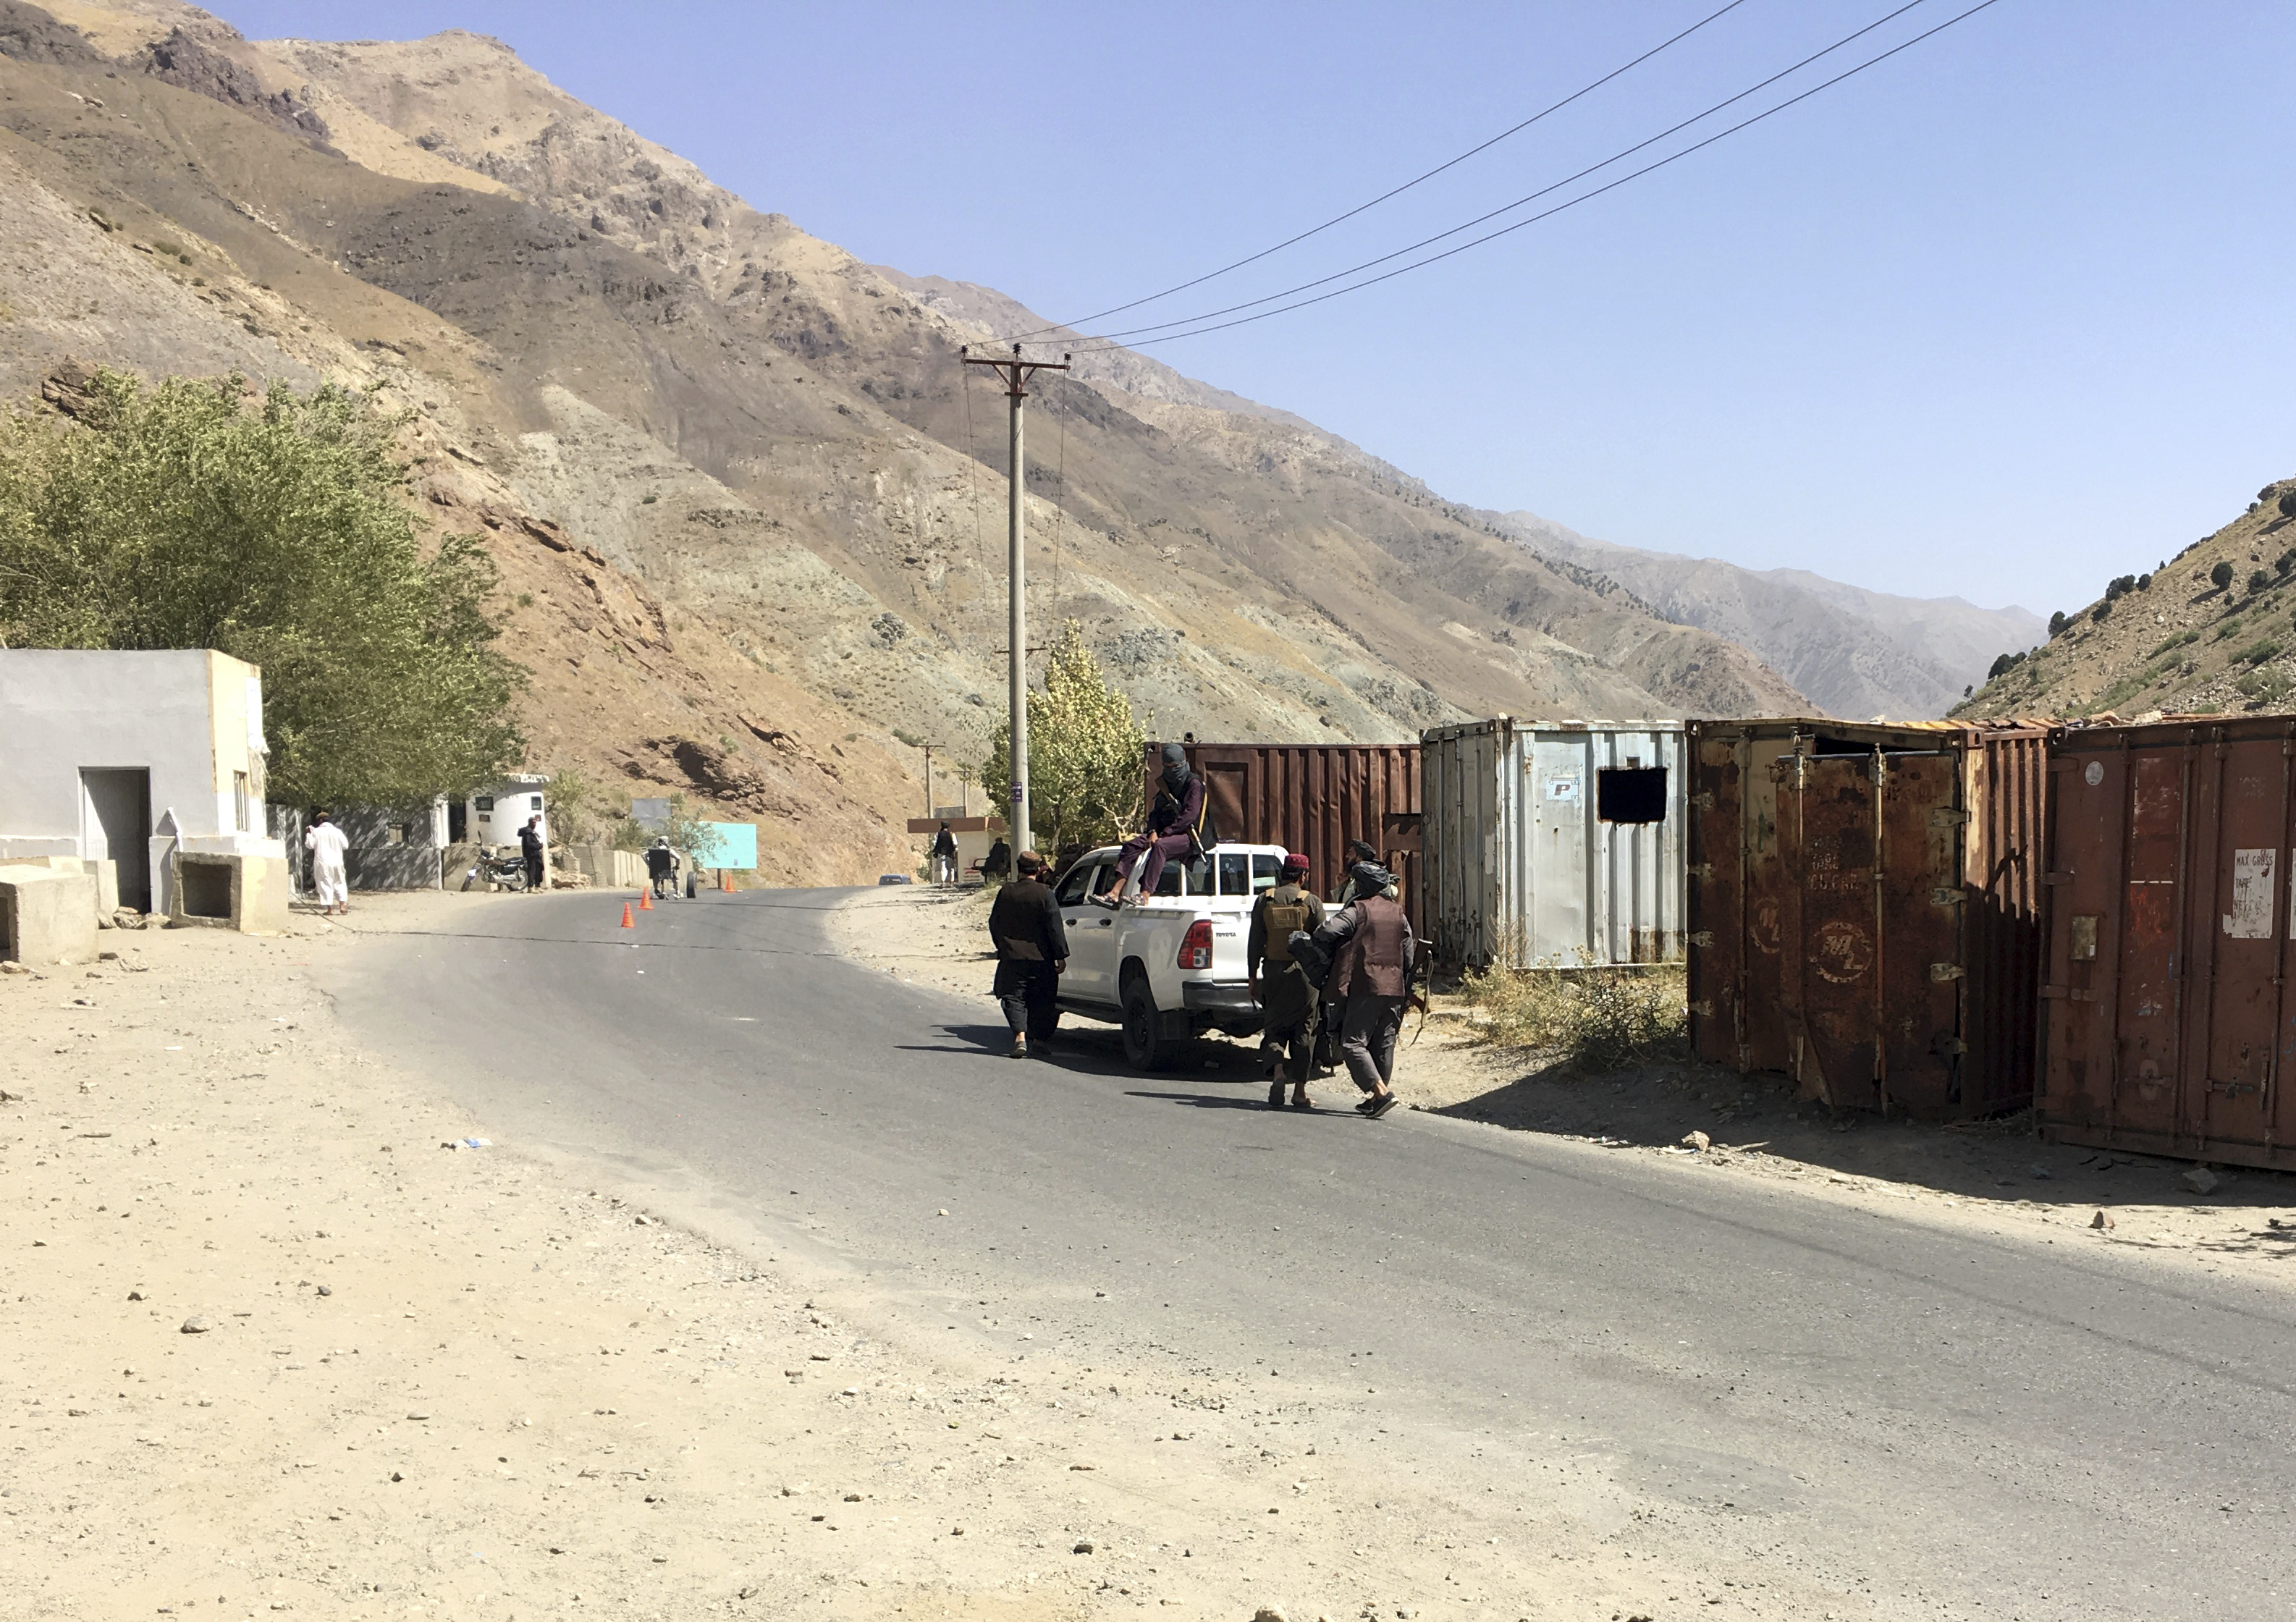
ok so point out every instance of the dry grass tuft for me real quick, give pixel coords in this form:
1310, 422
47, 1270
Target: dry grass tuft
1598, 1019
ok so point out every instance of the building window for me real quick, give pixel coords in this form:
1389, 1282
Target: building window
1630, 794
243, 805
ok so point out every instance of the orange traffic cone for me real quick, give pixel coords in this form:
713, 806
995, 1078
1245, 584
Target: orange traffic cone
628, 922
725, 883
645, 901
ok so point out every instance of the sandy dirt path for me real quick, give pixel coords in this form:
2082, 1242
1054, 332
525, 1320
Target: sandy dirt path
278, 1347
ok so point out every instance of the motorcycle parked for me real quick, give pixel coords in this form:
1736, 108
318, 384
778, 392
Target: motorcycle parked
508, 872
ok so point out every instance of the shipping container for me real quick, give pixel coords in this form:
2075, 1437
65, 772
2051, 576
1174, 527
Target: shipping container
2167, 1011
1315, 797
1864, 908
1554, 843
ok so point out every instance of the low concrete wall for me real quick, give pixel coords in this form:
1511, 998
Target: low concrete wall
45, 916
394, 866
245, 893
607, 867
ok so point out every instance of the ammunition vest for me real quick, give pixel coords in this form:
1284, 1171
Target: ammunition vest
1282, 910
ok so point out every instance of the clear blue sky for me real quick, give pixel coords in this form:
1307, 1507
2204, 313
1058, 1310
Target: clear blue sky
2004, 317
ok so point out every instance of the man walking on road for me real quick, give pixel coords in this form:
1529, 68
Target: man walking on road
661, 867
1032, 949
1371, 954
1177, 827
328, 846
1287, 999
944, 857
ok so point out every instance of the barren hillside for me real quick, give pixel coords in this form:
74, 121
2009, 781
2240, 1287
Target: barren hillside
1856, 653
2170, 639
766, 441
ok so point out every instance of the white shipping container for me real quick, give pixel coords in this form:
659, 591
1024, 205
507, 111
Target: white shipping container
1553, 845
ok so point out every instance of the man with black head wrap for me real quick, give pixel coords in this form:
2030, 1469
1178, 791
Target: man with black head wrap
1177, 826
1372, 953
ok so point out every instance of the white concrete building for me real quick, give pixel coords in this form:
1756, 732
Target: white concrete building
495, 814
125, 757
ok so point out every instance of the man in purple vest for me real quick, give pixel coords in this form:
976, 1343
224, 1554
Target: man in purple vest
1173, 824
1371, 952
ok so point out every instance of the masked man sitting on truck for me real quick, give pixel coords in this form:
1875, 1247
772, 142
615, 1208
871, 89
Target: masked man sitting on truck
1179, 825
1288, 1003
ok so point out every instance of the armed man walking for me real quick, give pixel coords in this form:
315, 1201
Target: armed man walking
1371, 952
1032, 949
1178, 825
661, 867
1287, 998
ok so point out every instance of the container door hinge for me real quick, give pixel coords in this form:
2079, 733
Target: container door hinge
1700, 870
1700, 937
1951, 1047
1948, 817
1703, 1008
1945, 972
1947, 896
1702, 801
2057, 878
2234, 1089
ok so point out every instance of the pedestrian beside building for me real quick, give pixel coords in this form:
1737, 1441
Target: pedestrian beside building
1288, 1004
661, 867
330, 847
996, 866
1371, 952
1179, 825
530, 846
944, 857
1032, 949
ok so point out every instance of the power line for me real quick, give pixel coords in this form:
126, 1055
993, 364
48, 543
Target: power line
1583, 91
1105, 342
1533, 197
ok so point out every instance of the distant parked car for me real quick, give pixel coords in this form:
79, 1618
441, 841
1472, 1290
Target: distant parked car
884, 879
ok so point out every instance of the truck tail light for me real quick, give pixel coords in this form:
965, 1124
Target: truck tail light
1196, 946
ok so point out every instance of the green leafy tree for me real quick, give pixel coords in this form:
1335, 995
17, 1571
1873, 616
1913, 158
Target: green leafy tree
1084, 773
175, 515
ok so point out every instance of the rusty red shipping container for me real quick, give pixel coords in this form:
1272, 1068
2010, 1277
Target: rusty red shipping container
1315, 797
2167, 1013
1864, 908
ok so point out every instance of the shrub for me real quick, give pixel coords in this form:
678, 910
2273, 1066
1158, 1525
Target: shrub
2220, 576
2103, 612
2257, 652
2177, 641
2286, 504
2119, 585
2145, 583
1596, 1019
2258, 580
173, 516
1084, 775
2057, 622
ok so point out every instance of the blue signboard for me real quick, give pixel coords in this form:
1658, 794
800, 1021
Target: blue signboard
731, 845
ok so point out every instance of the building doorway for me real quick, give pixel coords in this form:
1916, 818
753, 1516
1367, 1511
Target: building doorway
116, 826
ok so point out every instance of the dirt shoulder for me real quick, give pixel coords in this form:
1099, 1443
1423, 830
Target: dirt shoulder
277, 1346
1995, 1175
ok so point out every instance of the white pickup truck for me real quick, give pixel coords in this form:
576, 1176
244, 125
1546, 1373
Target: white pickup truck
1170, 967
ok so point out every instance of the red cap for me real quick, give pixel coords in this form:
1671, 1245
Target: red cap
1297, 861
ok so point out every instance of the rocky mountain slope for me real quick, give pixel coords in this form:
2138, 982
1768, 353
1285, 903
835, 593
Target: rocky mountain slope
768, 442
2208, 631
1856, 653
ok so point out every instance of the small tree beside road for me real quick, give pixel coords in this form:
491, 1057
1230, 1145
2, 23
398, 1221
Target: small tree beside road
1085, 749
180, 514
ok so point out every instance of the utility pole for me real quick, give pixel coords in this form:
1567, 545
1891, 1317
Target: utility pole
1015, 373
928, 748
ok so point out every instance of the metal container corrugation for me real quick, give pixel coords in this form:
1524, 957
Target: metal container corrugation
1315, 797
2167, 1012
1554, 845
1864, 908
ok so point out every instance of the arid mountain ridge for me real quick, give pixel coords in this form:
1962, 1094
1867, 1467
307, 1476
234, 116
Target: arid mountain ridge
608, 358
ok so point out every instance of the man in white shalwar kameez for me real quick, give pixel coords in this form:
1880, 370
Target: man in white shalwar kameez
327, 845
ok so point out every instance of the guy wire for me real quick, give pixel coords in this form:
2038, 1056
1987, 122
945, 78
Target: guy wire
972, 478
1060, 504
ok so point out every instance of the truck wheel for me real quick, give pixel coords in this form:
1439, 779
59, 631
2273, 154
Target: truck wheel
1144, 1046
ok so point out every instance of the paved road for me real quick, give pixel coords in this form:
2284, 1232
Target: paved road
1992, 1426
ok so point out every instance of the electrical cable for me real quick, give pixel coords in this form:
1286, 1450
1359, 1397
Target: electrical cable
1532, 197
1060, 506
1582, 92
972, 479
1103, 342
